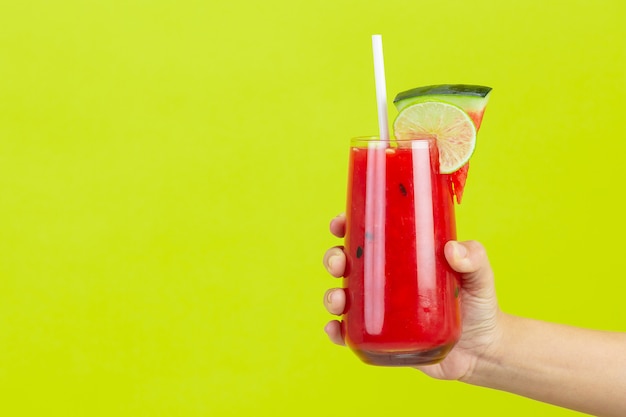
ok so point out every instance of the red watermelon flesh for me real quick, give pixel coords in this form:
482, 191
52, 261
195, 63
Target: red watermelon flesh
476, 116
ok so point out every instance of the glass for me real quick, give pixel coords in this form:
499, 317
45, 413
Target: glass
402, 305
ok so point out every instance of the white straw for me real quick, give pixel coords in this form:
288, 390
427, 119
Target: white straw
381, 89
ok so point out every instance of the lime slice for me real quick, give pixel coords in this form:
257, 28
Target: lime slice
450, 127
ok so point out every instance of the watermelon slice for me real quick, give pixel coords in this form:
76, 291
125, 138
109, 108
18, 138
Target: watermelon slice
471, 98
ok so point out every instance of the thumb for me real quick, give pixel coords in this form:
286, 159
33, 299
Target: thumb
470, 259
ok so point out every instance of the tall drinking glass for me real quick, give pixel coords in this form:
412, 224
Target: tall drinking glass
402, 305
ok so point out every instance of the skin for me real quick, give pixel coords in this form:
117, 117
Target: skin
580, 369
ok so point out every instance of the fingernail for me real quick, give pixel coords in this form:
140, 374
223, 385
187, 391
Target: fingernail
329, 297
331, 261
460, 250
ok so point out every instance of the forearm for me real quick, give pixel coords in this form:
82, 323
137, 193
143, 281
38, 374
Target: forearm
579, 369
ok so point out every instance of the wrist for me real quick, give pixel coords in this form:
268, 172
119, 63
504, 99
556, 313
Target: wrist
487, 360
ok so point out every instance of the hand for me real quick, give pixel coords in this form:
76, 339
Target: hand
479, 307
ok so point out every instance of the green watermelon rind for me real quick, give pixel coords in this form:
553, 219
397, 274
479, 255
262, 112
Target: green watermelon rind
471, 98
445, 89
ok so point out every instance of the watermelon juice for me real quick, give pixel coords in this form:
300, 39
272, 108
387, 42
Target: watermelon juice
402, 304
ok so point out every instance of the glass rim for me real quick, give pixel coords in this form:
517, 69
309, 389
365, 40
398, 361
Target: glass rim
376, 139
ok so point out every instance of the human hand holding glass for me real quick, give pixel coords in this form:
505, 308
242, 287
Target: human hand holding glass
479, 307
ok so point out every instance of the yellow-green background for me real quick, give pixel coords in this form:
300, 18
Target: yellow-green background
168, 170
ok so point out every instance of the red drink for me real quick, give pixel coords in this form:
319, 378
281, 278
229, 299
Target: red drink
402, 296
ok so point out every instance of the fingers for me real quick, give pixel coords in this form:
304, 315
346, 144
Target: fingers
333, 330
335, 261
335, 300
470, 259
338, 225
